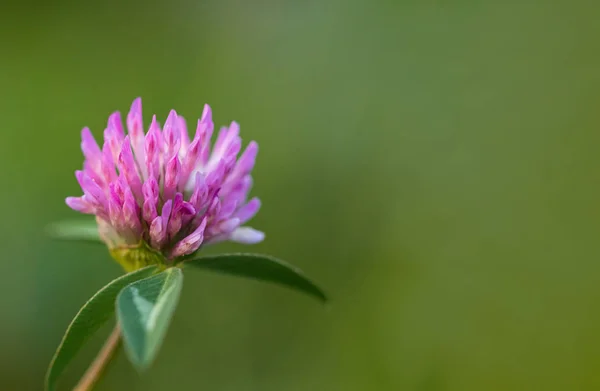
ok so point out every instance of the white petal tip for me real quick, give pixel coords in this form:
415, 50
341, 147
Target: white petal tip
247, 235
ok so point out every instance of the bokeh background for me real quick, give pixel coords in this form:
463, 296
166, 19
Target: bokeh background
433, 164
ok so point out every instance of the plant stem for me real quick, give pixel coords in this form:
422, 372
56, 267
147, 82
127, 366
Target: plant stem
95, 371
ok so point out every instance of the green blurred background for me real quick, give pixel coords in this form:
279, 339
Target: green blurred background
432, 164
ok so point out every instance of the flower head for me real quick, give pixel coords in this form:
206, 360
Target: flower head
163, 192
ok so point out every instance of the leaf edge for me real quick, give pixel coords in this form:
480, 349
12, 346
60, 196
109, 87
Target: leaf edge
317, 292
47, 377
138, 366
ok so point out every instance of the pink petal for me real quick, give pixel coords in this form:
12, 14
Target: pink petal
80, 205
158, 233
166, 213
176, 219
113, 142
153, 150
204, 133
115, 122
131, 215
200, 192
229, 225
184, 136
135, 128
151, 194
92, 191
172, 135
248, 211
246, 162
171, 177
90, 148
127, 165
191, 243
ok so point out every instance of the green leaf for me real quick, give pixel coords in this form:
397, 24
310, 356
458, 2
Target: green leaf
88, 320
260, 267
144, 310
82, 230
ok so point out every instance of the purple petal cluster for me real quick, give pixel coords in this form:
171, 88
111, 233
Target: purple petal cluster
166, 189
